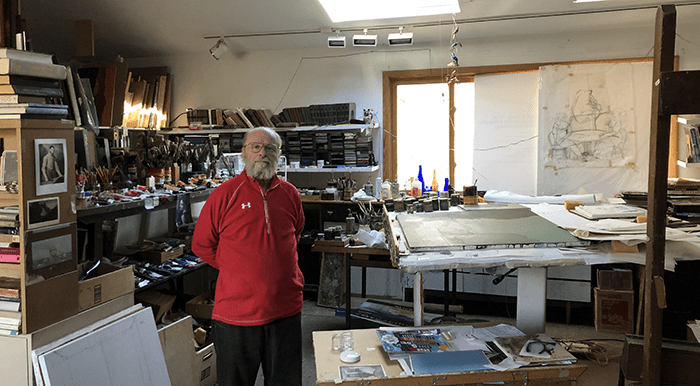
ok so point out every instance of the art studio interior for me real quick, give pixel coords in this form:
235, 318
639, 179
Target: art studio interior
474, 192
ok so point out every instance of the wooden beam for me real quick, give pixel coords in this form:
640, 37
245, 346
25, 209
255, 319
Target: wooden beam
664, 46
680, 92
84, 38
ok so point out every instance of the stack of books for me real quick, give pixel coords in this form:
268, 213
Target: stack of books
10, 304
31, 86
9, 220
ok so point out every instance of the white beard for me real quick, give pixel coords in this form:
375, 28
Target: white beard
261, 170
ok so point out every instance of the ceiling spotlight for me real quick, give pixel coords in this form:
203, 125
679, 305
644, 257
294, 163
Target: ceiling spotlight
401, 39
219, 48
364, 40
336, 41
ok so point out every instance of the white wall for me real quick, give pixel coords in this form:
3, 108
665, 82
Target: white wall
278, 79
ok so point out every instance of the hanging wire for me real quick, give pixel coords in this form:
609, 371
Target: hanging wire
454, 46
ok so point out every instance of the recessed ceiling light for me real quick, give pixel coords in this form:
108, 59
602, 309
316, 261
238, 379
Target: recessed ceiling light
344, 10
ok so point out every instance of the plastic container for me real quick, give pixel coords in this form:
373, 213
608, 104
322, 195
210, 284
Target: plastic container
386, 190
416, 188
378, 187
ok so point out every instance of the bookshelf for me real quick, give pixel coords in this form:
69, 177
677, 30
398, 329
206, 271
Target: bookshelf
47, 223
343, 148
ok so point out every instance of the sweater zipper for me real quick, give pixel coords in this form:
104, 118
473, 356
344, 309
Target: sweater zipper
267, 215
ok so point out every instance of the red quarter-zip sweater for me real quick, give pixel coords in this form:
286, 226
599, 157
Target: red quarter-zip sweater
250, 236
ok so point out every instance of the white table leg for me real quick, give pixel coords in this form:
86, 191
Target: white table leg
418, 299
532, 300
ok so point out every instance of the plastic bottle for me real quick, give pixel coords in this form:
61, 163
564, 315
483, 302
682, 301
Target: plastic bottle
447, 185
378, 187
416, 188
386, 190
420, 178
435, 183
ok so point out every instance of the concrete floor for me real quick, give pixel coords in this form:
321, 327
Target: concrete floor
603, 366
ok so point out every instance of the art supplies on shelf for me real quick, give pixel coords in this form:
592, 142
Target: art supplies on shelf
595, 212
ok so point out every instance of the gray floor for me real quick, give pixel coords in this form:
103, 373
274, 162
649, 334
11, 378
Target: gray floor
603, 365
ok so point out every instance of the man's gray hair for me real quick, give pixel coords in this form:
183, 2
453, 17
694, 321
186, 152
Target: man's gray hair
276, 139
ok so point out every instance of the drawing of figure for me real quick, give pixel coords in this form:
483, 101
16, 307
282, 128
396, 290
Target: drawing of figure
50, 168
590, 133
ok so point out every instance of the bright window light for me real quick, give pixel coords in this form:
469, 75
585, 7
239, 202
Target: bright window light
344, 10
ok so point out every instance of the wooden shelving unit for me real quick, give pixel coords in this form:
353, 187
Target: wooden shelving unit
47, 232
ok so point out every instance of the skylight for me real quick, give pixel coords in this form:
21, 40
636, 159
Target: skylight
350, 10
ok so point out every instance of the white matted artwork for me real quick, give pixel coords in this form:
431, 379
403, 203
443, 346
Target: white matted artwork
43, 212
594, 128
50, 165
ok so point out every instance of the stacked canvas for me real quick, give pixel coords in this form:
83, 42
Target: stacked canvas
30, 86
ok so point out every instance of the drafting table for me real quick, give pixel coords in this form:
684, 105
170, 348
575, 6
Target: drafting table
532, 266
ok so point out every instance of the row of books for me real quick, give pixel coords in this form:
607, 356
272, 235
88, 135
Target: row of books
238, 117
319, 114
31, 86
10, 306
692, 140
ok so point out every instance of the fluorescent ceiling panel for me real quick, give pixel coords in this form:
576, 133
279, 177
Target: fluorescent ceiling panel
345, 10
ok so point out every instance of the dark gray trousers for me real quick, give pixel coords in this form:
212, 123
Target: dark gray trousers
241, 350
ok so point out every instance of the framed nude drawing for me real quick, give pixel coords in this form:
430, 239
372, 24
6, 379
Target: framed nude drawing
50, 165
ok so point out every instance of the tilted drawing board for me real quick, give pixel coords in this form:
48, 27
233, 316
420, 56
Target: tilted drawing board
483, 226
126, 352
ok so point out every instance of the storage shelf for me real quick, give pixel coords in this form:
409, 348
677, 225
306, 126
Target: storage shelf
689, 165
206, 131
354, 169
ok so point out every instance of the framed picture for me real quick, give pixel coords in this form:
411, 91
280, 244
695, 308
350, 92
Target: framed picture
50, 251
43, 212
9, 167
50, 165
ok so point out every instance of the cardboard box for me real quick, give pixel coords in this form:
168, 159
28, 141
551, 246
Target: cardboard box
615, 279
159, 302
176, 339
110, 283
201, 306
160, 257
51, 300
206, 363
614, 311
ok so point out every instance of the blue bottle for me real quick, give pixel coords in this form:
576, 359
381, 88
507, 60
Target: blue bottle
447, 185
420, 178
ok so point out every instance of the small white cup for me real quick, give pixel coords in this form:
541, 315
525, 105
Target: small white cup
320, 163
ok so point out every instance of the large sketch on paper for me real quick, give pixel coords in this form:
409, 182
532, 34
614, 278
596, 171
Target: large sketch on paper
589, 135
589, 127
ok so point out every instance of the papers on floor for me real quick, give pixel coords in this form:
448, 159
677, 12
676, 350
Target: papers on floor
423, 350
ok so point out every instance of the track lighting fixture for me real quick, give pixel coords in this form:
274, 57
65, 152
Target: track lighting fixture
364, 40
219, 48
336, 41
401, 38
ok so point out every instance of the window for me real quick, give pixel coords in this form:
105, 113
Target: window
423, 132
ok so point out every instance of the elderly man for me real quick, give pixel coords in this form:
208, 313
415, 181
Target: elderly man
248, 229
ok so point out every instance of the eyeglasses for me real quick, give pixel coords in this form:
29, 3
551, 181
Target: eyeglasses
255, 147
